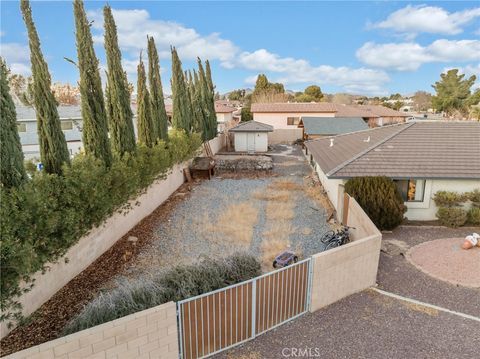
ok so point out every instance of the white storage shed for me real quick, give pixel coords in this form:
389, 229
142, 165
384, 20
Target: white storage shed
251, 136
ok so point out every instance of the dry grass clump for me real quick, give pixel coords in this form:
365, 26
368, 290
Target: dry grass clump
270, 195
234, 225
318, 194
306, 231
284, 184
281, 211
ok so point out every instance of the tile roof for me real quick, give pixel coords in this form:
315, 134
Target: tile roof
426, 149
220, 108
332, 125
294, 107
339, 109
252, 126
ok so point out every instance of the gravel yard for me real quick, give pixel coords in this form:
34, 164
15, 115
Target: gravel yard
262, 215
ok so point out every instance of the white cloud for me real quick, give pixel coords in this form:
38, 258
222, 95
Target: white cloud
299, 71
133, 26
410, 56
428, 19
17, 57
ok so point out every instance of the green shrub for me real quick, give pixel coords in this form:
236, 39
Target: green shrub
42, 219
379, 198
474, 196
452, 216
474, 216
178, 283
448, 199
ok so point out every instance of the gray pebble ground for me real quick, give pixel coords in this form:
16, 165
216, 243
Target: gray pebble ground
187, 234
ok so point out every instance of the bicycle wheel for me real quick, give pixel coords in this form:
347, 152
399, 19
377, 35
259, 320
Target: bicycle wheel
332, 244
327, 237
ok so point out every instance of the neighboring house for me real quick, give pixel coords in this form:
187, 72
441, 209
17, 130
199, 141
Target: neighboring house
421, 157
70, 121
251, 136
224, 116
285, 117
316, 127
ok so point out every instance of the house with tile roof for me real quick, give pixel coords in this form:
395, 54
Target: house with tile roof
285, 117
316, 127
421, 157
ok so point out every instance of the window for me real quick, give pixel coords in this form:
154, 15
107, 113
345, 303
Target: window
22, 127
293, 121
411, 190
66, 125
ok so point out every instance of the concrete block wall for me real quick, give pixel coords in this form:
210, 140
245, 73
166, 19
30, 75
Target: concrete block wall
351, 268
345, 270
100, 239
151, 333
283, 135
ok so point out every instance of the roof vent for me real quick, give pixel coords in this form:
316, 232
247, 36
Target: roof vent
331, 142
367, 140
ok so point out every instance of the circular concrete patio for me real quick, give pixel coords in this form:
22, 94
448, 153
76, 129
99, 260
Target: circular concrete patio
444, 259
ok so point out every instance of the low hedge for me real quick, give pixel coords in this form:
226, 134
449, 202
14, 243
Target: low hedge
452, 216
474, 216
449, 199
175, 284
42, 219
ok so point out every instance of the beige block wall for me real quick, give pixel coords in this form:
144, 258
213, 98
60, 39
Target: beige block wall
342, 271
357, 218
151, 333
100, 239
345, 270
284, 135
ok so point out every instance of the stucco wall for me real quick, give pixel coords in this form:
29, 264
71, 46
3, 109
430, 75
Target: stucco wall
279, 120
330, 185
100, 239
284, 135
151, 333
426, 210
350, 268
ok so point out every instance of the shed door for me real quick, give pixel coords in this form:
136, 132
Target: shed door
250, 142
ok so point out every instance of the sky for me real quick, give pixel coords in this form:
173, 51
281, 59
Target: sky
359, 47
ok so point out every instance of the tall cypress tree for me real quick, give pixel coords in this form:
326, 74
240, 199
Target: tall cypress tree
53, 147
197, 105
208, 101
12, 172
159, 113
95, 127
208, 74
120, 116
145, 126
182, 110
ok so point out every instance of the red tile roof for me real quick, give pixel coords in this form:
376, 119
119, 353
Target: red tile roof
316, 107
294, 107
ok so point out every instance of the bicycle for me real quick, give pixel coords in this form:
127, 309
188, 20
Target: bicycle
333, 239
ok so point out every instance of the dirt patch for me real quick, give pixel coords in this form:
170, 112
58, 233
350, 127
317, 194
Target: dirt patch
444, 259
48, 321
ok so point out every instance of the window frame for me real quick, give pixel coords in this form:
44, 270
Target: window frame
405, 199
65, 122
23, 125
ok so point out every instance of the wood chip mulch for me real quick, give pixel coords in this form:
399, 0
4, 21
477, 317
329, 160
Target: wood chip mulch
49, 320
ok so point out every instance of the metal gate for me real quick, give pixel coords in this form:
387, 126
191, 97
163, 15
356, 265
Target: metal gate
218, 320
